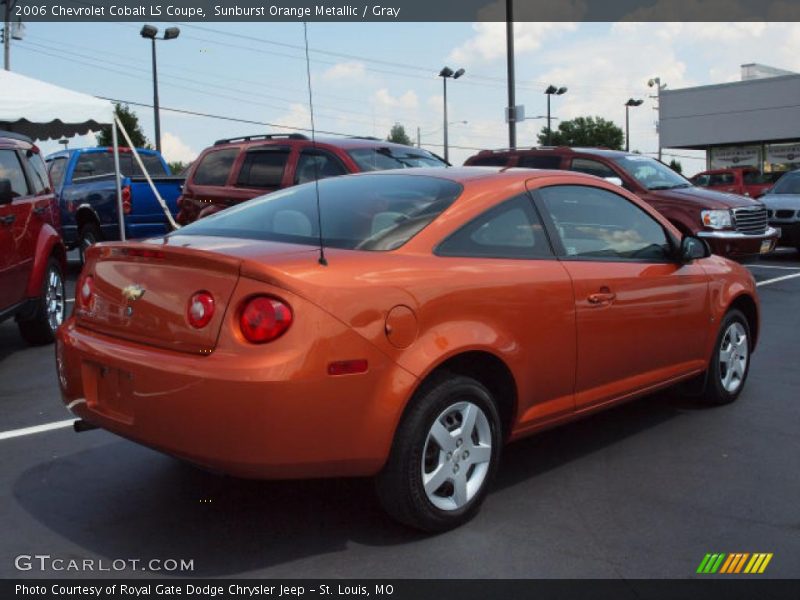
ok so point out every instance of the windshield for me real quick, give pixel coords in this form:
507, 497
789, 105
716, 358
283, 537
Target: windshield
650, 173
381, 159
788, 184
371, 212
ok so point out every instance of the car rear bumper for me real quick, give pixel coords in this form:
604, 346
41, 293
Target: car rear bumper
734, 244
261, 421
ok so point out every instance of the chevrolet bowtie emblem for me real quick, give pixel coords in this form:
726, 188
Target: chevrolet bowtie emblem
133, 292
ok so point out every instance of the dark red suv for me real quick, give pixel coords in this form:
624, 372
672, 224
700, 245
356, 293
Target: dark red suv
32, 255
239, 169
734, 226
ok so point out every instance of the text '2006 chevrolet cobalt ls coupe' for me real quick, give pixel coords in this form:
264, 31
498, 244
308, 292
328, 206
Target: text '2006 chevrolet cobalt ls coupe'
454, 310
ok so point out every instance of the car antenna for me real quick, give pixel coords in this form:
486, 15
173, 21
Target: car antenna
322, 260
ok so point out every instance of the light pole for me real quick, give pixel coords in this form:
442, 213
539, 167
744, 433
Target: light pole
446, 73
656, 81
628, 104
420, 135
64, 142
551, 89
150, 32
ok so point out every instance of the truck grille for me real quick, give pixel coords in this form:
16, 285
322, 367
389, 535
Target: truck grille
784, 214
750, 220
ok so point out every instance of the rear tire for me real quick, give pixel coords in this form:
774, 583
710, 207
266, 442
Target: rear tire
730, 363
444, 455
50, 309
88, 234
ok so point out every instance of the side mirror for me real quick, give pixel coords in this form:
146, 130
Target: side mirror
693, 248
614, 180
6, 193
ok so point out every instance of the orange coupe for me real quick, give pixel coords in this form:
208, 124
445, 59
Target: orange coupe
453, 310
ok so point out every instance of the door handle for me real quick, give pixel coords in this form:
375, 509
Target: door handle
39, 210
604, 296
8, 220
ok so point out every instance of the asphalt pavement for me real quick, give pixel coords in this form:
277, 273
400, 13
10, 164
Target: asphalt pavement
641, 491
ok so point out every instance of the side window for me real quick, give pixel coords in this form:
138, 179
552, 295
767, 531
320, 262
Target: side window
490, 161
317, 164
593, 223
38, 174
701, 180
540, 162
151, 162
591, 167
263, 168
215, 167
721, 179
510, 230
58, 168
11, 169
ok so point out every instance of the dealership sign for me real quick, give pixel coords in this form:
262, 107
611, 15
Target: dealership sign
735, 156
783, 153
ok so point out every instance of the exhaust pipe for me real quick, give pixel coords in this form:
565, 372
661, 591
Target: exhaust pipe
81, 425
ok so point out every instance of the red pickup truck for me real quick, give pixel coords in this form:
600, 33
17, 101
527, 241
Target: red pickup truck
747, 181
32, 255
733, 225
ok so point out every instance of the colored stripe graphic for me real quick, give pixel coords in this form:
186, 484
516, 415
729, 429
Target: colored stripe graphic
734, 563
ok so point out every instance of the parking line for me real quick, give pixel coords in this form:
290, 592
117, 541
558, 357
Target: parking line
6, 435
777, 279
773, 267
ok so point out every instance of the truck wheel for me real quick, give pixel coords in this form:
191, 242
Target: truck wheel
40, 327
730, 362
444, 455
88, 234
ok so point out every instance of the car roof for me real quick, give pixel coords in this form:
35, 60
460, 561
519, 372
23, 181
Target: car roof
346, 143
14, 139
469, 174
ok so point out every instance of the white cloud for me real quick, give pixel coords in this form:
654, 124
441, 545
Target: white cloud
489, 41
175, 149
298, 116
406, 100
345, 70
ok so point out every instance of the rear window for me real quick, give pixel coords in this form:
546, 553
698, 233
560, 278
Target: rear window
788, 184
380, 212
385, 158
215, 167
96, 164
754, 178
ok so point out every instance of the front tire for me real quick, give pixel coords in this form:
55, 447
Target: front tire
730, 362
444, 455
41, 327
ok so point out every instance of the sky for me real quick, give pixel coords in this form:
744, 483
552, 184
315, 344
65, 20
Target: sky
368, 76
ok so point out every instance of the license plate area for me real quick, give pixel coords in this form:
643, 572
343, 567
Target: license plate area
109, 391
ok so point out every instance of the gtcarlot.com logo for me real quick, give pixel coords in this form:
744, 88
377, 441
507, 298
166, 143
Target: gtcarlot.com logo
46, 562
736, 563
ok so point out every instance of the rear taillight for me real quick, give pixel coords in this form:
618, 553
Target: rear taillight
200, 309
85, 291
264, 319
126, 200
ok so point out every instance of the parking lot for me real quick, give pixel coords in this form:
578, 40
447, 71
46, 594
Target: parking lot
641, 491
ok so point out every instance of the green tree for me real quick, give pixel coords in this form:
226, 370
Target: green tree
177, 167
130, 121
585, 131
676, 166
398, 135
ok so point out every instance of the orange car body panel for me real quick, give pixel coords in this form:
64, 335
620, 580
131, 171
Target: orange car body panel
273, 410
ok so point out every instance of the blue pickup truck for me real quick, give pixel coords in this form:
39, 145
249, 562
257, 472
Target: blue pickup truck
86, 190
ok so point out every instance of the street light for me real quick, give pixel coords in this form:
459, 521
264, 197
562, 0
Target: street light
64, 142
628, 104
446, 74
420, 134
150, 32
551, 89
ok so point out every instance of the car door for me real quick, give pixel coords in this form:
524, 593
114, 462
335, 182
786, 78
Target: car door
641, 316
519, 289
17, 237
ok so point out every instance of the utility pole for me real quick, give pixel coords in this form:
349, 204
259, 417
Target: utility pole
8, 6
419, 138
512, 111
